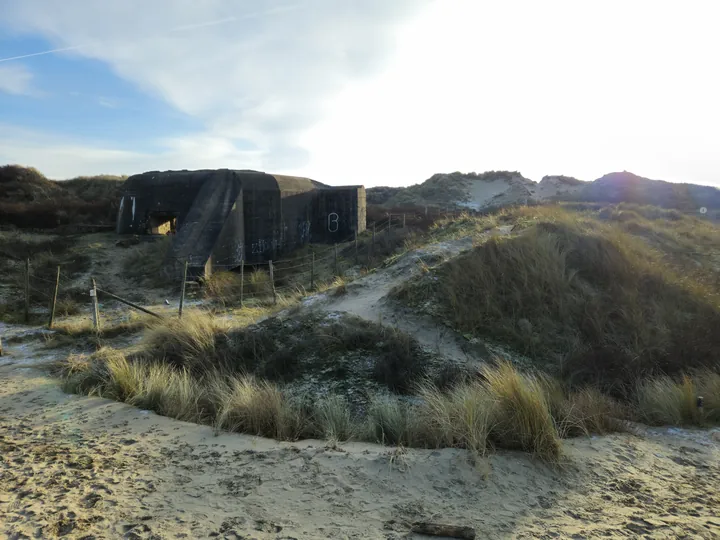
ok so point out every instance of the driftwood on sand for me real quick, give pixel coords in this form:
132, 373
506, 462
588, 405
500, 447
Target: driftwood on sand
448, 531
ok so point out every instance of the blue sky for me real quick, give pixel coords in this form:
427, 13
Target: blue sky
362, 91
83, 99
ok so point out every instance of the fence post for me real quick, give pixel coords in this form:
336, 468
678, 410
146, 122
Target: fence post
0, 345
54, 299
96, 308
337, 273
182, 291
357, 261
389, 224
403, 221
312, 271
27, 290
242, 281
272, 282
426, 210
373, 240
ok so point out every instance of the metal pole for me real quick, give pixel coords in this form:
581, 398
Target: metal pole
182, 290
54, 299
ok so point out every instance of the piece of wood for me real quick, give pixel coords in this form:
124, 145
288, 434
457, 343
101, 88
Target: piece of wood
403, 221
128, 303
1, 346
182, 291
54, 299
449, 531
357, 260
27, 291
337, 272
272, 281
96, 307
312, 272
242, 281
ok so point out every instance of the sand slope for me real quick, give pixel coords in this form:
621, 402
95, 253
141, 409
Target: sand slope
91, 468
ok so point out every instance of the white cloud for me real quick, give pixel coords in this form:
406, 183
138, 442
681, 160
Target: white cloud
257, 71
17, 79
60, 158
389, 92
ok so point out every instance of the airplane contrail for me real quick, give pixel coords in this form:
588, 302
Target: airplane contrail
203, 25
272, 11
52, 51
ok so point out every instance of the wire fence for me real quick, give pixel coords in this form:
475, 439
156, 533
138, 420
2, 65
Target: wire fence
263, 282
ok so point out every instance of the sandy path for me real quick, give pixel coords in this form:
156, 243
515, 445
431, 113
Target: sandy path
92, 468
367, 298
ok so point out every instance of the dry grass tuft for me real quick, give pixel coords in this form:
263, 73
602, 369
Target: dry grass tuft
334, 419
257, 407
666, 401
522, 417
460, 417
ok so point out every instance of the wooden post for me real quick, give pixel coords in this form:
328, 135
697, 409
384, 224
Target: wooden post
96, 307
27, 290
389, 224
54, 299
126, 302
272, 281
0, 345
182, 291
337, 273
403, 221
242, 281
312, 271
426, 210
356, 250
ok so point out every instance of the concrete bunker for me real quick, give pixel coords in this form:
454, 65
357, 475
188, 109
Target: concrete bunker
219, 219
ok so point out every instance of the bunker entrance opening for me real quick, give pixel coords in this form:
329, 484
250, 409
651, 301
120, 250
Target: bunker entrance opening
162, 223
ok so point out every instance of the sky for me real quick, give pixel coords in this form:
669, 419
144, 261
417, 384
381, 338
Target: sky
373, 92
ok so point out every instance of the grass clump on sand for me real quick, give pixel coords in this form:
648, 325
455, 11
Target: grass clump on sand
674, 400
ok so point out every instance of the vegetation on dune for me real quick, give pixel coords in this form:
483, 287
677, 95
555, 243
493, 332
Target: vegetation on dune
585, 295
617, 306
283, 350
28, 200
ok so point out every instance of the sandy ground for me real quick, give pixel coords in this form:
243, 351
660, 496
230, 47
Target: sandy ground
90, 468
